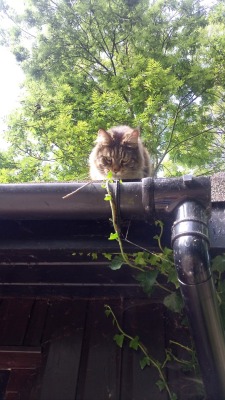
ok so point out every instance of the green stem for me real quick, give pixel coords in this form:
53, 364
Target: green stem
117, 230
150, 252
160, 235
143, 349
163, 287
182, 346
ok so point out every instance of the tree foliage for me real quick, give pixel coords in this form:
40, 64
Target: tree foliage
97, 63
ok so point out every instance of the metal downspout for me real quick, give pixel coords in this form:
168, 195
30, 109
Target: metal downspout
191, 255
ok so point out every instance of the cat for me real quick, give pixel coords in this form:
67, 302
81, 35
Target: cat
119, 150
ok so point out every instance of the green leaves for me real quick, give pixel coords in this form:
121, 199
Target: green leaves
134, 343
140, 258
113, 236
147, 280
116, 262
107, 311
164, 74
161, 385
108, 197
108, 256
218, 263
146, 361
174, 302
119, 339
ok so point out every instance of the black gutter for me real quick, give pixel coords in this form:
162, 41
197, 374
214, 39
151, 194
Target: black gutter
138, 200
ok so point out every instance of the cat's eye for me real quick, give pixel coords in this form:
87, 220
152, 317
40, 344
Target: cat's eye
107, 160
123, 162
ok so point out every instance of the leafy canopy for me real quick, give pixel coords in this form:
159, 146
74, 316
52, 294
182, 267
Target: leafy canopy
97, 63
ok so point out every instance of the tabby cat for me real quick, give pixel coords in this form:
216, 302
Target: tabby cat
121, 151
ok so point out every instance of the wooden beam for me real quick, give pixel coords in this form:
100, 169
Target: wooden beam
19, 357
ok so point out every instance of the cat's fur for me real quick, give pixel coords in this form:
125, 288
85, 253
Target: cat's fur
120, 150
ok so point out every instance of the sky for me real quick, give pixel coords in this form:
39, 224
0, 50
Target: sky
11, 78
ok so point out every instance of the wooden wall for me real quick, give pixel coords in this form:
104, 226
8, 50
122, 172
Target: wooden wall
63, 349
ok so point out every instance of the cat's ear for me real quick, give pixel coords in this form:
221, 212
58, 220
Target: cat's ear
103, 137
131, 138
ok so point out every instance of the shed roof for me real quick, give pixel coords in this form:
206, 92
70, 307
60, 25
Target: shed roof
48, 244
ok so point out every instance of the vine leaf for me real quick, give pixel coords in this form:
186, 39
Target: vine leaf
119, 339
134, 343
161, 385
108, 256
107, 313
116, 263
147, 280
113, 236
110, 176
108, 197
218, 263
144, 362
140, 258
154, 260
94, 256
156, 237
167, 252
172, 277
160, 223
174, 302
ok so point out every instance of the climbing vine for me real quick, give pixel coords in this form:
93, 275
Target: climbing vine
150, 267
147, 359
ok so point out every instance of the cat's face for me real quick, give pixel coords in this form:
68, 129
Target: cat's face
118, 152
